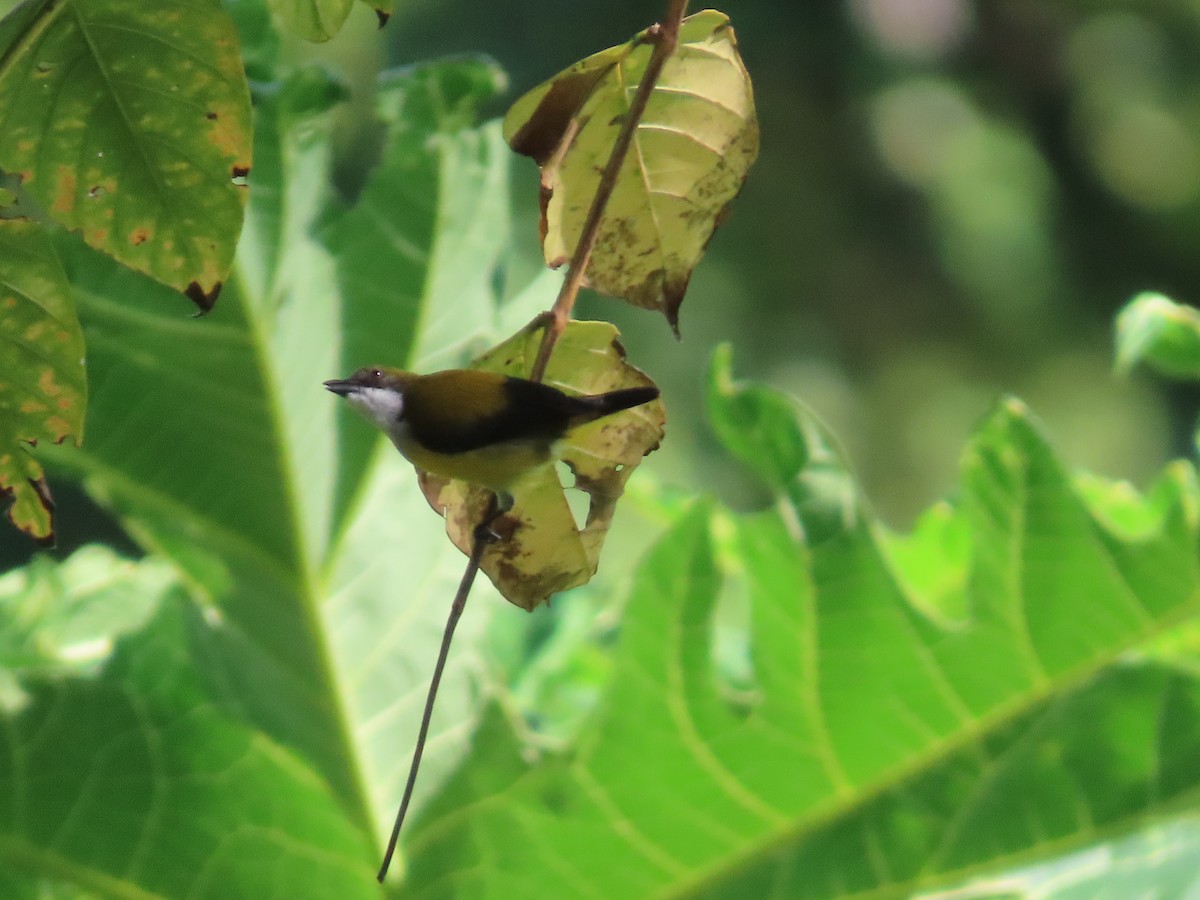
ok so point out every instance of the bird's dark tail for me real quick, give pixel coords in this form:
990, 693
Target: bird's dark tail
600, 405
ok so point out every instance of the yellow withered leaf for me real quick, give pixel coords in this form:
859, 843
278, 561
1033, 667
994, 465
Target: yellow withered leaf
541, 551
689, 158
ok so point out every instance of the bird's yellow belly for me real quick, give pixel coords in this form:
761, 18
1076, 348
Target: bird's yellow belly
498, 466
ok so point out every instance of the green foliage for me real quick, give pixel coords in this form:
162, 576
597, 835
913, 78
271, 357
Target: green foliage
291, 523
62, 617
139, 783
799, 703
1154, 331
129, 125
880, 751
1162, 858
314, 20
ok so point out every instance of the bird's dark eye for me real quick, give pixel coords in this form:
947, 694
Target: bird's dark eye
377, 373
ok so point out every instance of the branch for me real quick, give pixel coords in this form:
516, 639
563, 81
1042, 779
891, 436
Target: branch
665, 37
482, 538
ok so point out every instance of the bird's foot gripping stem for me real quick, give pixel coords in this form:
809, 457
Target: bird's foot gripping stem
484, 532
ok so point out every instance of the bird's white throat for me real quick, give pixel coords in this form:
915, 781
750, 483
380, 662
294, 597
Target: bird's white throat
382, 406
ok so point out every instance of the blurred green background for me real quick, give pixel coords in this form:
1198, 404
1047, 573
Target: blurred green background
951, 201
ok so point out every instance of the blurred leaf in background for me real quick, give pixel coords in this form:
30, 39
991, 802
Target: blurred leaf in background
950, 202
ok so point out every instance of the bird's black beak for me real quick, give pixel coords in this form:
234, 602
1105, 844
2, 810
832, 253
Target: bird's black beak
341, 386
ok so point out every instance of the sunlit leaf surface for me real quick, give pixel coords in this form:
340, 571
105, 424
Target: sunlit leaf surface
1158, 861
691, 152
138, 783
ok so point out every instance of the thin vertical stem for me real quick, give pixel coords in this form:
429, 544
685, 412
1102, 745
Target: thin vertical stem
665, 37
482, 539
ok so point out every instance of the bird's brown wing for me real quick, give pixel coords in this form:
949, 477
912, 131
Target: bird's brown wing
457, 411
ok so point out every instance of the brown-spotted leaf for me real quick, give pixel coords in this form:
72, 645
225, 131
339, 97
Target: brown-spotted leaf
130, 122
690, 155
542, 551
43, 390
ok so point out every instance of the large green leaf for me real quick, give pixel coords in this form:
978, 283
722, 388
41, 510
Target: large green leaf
875, 750
137, 783
42, 388
130, 123
323, 575
435, 263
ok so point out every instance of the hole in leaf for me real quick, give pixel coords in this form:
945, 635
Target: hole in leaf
578, 501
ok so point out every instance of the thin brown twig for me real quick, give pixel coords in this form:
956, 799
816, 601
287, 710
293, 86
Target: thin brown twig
481, 538
665, 37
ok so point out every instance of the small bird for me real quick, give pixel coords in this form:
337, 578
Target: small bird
480, 427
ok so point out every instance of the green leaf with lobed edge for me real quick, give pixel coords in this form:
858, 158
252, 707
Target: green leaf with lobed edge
130, 123
322, 574
43, 392
880, 750
756, 424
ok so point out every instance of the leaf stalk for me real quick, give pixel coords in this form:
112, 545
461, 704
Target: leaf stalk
665, 38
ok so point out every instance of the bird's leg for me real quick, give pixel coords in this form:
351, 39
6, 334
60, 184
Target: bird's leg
498, 505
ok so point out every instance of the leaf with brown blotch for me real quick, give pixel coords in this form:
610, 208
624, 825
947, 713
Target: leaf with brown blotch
541, 551
43, 390
689, 158
129, 122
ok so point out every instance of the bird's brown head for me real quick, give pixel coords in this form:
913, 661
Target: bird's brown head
370, 377
375, 391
